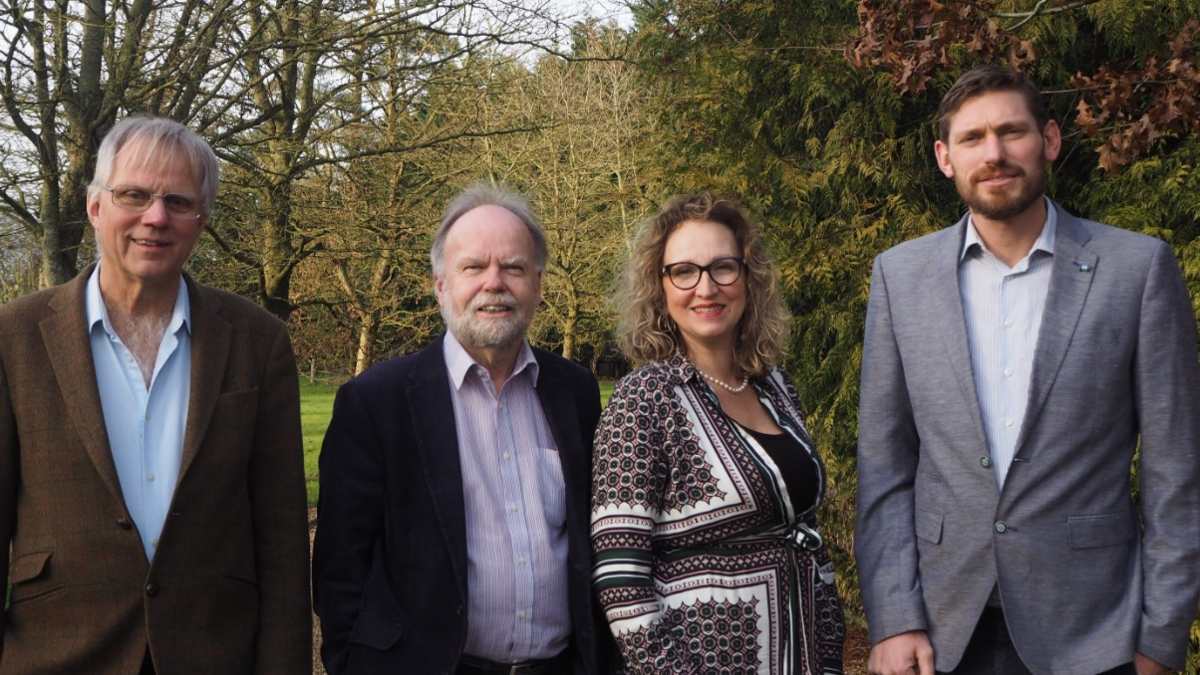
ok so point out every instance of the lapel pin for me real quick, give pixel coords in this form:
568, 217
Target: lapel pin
1083, 267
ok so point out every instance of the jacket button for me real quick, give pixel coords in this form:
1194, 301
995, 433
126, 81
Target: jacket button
152, 589
985, 462
124, 524
459, 610
1001, 528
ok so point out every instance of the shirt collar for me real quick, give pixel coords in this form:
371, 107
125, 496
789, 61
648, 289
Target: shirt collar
181, 314
459, 362
1044, 242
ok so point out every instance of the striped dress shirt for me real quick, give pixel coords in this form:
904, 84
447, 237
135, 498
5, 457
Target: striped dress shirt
1003, 308
515, 501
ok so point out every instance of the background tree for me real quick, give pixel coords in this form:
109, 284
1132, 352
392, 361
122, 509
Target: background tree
588, 171
317, 79
66, 69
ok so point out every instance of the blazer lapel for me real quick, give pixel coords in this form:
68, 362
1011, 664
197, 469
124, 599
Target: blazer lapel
1070, 280
211, 336
431, 411
70, 351
951, 322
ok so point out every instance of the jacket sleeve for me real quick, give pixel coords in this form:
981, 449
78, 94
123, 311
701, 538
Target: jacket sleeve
631, 450
9, 468
888, 449
279, 511
1167, 401
349, 522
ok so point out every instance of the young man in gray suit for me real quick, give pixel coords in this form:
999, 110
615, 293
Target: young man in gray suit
1012, 364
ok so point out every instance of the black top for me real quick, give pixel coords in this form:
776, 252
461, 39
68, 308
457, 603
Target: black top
798, 469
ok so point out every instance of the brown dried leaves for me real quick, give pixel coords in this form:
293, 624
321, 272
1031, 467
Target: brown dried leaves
1131, 107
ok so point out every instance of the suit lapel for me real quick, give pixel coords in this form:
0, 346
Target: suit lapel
211, 337
70, 352
951, 322
1069, 285
431, 411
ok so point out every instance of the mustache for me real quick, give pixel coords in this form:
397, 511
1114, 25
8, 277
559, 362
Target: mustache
485, 299
1000, 170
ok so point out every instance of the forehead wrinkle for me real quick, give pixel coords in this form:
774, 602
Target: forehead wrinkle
153, 158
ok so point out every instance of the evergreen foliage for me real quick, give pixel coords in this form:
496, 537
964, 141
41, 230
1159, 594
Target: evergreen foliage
762, 100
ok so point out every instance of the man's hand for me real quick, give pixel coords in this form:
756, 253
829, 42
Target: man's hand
1144, 665
908, 654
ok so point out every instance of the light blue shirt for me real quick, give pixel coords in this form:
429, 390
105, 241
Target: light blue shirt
515, 502
145, 426
1003, 309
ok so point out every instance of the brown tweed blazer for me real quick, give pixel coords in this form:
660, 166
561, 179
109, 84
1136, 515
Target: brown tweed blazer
228, 590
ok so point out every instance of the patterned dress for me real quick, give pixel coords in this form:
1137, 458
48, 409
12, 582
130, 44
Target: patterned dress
701, 563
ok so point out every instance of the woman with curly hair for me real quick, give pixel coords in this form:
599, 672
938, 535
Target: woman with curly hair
707, 555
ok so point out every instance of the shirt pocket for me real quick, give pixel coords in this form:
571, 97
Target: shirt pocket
552, 487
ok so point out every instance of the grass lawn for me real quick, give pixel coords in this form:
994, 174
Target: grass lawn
316, 406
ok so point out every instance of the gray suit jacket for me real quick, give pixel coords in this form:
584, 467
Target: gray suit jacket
1083, 583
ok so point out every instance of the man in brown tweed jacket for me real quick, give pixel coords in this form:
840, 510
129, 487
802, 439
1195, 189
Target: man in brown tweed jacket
151, 478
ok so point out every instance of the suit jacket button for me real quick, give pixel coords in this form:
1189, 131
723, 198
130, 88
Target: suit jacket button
1001, 528
124, 524
152, 589
985, 462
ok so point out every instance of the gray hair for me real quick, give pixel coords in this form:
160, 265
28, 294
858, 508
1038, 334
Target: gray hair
486, 194
158, 141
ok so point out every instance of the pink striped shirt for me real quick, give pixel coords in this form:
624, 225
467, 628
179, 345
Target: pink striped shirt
515, 503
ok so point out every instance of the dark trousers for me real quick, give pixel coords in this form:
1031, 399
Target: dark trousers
991, 650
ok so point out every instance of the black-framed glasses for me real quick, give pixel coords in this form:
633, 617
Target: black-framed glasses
138, 199
686, 275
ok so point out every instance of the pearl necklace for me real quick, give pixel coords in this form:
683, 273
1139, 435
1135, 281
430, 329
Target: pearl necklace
722, 384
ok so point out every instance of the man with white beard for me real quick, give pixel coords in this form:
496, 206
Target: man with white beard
452, 530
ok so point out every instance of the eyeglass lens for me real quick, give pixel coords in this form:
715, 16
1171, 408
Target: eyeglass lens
724, 271
139, 199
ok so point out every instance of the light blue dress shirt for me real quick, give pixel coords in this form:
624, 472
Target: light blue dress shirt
145, 425
1003, 309
515, 502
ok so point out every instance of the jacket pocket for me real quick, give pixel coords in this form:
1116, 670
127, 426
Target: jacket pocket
29, 566
238, 399
928, 525
373, 632
1097, 531
26, 575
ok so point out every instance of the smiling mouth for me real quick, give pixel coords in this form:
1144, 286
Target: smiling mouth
148, 242
998, 177
493, 309
709, 310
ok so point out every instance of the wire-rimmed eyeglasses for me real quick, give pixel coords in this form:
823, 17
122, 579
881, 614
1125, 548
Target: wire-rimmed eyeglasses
686, 275
138, 199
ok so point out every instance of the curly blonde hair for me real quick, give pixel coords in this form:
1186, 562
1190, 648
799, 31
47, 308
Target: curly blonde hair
646, 330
